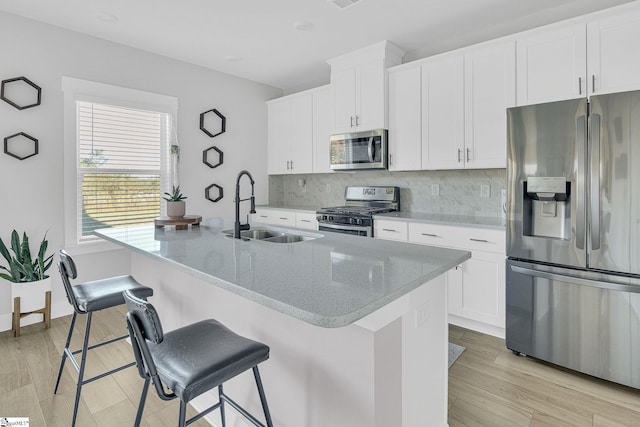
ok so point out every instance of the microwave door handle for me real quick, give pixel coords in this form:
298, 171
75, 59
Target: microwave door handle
371, 150
595, 182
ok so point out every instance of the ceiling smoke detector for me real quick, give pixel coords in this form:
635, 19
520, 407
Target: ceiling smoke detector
343, 4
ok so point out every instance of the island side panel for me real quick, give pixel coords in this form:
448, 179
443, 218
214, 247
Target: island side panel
393, 373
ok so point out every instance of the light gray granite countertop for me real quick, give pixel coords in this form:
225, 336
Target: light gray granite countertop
330, 281
456, 220
308, 209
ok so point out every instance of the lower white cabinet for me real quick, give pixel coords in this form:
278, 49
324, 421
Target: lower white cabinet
285, 218
476, 288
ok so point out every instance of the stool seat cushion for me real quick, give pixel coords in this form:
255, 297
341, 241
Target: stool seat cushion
196, 358
105, 293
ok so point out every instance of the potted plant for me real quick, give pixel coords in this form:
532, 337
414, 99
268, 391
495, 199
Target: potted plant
26, 274
176, 206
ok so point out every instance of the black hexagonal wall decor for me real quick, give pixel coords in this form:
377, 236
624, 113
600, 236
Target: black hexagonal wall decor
214, 120
213, 151
13, 143
207, 193
31, 92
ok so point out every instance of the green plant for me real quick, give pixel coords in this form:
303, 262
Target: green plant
175, 195
22, 268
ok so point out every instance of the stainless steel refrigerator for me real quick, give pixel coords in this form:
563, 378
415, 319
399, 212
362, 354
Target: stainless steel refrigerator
573, 234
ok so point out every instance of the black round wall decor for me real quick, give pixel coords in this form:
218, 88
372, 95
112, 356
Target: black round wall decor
11, 146
214, 117
36, 95
208, 195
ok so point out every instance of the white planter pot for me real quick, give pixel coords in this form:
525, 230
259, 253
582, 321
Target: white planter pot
176, 209
32, 294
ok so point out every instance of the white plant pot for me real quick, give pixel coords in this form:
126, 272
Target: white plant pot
32, 294
176, 209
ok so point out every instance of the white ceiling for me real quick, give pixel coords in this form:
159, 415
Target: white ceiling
256, 39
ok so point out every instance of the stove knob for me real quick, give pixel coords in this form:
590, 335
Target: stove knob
359, 221
352, 220
324, 217
330, 218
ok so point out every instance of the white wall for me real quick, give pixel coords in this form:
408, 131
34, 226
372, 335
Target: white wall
31, 192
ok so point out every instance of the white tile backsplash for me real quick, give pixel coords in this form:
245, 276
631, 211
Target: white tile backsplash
459, 190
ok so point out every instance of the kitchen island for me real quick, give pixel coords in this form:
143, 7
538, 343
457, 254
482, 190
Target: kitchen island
357, 326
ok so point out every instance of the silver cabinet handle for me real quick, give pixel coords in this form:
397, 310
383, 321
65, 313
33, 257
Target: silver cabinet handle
429, 234
262, 216
593, 83
468, 155
288, 168
390, 229
459, 154
304, 220
357, 120
291, 164
479, 240
390, 158
284, 218
579, 85
351, 118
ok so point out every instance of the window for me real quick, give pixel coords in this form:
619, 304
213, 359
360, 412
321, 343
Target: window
118, 140
122, 165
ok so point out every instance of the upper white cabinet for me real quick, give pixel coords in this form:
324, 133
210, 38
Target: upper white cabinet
322, 128
576, 60
448, 111
359, 86
290, 134
613, 64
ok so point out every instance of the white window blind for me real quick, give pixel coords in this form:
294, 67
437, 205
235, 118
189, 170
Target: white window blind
122, 165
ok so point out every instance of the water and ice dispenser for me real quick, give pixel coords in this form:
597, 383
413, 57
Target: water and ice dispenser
547, 207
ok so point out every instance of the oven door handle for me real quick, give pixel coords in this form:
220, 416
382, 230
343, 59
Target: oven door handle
342, 226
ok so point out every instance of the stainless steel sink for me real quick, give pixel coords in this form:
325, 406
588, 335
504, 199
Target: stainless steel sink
273, 236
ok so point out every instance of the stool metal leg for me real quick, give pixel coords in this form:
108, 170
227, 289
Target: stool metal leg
263, 398
182, 415
83, 361
143, 399
221, 400
64, 352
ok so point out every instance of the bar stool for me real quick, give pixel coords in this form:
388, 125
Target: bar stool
86, 298
191, 360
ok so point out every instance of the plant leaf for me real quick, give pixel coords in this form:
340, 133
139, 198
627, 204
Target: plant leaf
15, 245
7, 277
4, 251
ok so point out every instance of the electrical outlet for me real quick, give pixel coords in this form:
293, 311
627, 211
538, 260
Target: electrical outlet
435, 189
421, 315
485, 190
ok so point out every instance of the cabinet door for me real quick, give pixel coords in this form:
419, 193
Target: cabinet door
278, 136
613, 61
322, 128
370, 96
343, 83
390, 230
301, 142
490, 88
306, 220
551, 65
405, 144
480, 293
443, 113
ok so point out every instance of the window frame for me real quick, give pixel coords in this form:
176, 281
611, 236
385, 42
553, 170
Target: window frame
75, 90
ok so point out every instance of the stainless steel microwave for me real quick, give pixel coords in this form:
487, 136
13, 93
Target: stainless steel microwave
360, 150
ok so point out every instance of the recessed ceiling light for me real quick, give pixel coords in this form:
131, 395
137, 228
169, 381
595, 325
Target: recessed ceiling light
233, 58
303, 25
106, 17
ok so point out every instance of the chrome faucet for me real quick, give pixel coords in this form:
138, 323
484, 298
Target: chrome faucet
237, 226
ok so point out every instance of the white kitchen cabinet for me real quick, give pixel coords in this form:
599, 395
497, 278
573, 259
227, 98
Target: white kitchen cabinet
489, 89
359, 87
322, 129
390, 230
613, 64
290, 134
476, 288
306, 220
551, 64
449, 111
282, 217
576, 60
405, 119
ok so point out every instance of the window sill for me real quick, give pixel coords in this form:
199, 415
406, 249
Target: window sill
91, 247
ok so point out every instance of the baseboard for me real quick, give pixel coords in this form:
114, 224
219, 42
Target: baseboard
476, 326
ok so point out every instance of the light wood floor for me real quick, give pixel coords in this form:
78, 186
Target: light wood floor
488, 386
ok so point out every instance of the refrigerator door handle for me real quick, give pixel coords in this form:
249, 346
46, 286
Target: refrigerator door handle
594, 189
577, 280
581, 193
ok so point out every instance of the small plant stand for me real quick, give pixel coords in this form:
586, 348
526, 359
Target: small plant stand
181, 223
17, 315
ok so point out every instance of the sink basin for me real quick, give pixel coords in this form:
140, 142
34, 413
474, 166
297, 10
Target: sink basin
273, 236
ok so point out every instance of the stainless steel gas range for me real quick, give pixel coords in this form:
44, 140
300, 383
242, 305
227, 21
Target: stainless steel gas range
356, 217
